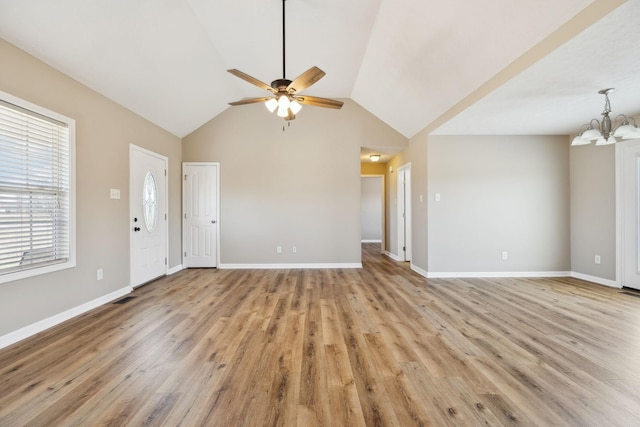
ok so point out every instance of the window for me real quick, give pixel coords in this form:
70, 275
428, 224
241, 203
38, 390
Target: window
37, 190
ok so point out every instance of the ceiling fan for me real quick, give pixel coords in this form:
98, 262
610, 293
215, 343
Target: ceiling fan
286, 99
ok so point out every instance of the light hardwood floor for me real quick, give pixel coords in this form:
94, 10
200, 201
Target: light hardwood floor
380, 346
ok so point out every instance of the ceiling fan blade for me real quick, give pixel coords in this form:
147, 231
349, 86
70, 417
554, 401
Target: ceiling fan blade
305, 80
319, 102
250, 101
252, 80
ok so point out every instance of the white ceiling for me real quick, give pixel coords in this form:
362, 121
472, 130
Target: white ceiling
560, 92
405, 61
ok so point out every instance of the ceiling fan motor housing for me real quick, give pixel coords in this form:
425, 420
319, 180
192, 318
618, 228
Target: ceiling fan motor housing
280, 83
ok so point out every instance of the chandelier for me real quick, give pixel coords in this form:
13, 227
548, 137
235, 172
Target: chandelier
604, 131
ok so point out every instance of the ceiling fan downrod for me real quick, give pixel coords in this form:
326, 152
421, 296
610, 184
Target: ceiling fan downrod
284, 74
281, 84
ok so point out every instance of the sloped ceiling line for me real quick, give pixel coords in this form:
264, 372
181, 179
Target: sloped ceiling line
411, 63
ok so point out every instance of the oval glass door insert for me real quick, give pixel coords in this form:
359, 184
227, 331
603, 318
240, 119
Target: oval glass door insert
150, 202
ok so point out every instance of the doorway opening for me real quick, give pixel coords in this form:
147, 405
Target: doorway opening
372, 220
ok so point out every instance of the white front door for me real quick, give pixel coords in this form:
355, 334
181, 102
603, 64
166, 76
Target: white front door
148, 222
200, 209
631, 215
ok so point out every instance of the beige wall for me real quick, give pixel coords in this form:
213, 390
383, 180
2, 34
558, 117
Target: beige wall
593, 210
104, 131
498, 193
373, 168
299, 187
420, 202
371, 202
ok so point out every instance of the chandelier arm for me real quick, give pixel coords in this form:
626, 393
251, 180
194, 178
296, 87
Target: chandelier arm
583, 128
623, 117
624, 120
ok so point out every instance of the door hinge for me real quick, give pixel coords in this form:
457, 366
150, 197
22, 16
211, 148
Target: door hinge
165, 261
185, 254
185, 216
185, 177
404, 248
165, 172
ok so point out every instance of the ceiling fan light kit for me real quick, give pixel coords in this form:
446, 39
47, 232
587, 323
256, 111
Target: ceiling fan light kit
286, 102
606, 132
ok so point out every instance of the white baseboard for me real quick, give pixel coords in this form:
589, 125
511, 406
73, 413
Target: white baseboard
515, 274
420, 271
34, 328
371, 241
441, 275
392, 256
288, 266
594, 279
174, 270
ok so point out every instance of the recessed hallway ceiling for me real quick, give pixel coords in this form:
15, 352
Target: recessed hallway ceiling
406, 61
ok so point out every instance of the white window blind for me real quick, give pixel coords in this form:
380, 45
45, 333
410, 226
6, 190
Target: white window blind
35, 165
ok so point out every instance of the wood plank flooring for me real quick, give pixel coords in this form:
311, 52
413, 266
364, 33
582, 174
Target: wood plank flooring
380, 346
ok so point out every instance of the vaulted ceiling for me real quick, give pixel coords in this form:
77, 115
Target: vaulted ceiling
454, 67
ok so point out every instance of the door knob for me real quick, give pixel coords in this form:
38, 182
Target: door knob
213, 221
136, 228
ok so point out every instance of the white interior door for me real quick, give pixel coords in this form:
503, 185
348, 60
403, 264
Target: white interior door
631, 215
148, 206
404, 213
200, 209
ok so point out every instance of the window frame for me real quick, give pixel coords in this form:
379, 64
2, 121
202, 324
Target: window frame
71, 262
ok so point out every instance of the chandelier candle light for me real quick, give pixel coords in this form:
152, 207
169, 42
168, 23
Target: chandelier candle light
602, 131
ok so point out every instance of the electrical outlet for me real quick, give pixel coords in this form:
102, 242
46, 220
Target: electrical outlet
505, 255
597, 259
99, 274
278, 249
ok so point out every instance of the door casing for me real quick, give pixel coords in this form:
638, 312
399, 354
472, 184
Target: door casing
623, 234
404, 212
